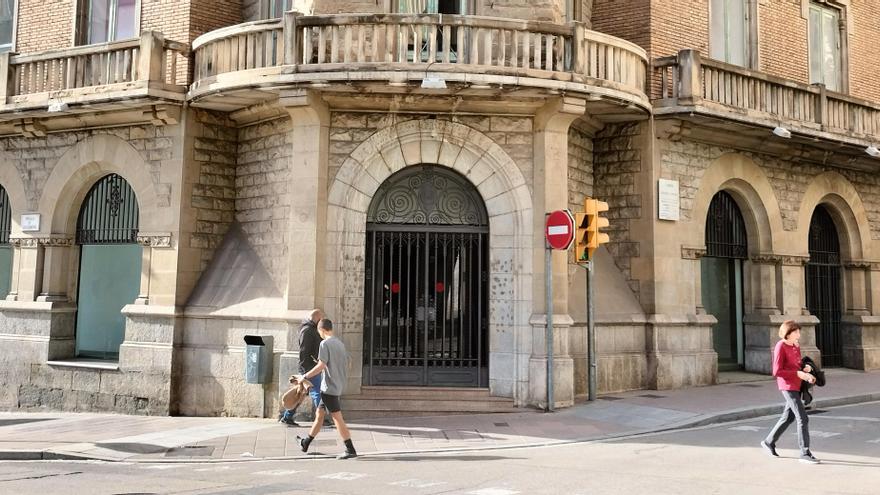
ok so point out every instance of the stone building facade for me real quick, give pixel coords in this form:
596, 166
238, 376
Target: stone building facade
393, 167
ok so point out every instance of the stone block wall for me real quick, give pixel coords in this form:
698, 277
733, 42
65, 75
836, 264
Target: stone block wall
212, 195
263, 187
617, 163
686, 161
580, 168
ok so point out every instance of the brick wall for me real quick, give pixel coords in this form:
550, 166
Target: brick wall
617, 163
263, 185
44, 25
627, 19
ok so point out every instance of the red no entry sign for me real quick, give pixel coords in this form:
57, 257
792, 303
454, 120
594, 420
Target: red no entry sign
559, 229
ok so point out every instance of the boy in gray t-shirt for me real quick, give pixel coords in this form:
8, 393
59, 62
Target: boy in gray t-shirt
333, 367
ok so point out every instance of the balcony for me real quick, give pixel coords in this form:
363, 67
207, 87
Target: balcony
247, 64
715, 94
88, 85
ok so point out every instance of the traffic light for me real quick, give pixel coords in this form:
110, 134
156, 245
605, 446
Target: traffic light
587, 230
581, 225
593, 208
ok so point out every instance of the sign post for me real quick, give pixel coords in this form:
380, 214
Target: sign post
558, 233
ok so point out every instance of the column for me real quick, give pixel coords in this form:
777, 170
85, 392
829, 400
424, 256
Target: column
56, 275
551, 127
860, 326
761, 325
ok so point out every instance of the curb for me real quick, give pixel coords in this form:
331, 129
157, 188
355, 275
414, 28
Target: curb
700, 421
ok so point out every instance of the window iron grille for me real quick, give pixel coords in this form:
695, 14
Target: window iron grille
109, 214
725, 229
824, 286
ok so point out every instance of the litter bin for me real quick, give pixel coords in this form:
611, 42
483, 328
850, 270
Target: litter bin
257, 359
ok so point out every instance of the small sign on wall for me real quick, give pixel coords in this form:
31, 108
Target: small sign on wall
668, 203
30, 222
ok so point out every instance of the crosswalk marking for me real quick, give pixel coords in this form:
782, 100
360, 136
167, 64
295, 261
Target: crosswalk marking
823, 434
212, 469
745, 428
162, 466
279, 472
493, 491
874, 441
343, 476
416, 483
849, 418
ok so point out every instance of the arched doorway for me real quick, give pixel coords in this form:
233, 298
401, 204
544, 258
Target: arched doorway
426, 280
5, 248
109, 268
722, 278
824, 285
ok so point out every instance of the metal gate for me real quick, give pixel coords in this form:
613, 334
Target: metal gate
722, 276
5, 248
426, 303
823, 286
110, 266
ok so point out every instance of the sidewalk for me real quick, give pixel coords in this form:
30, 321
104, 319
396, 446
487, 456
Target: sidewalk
182, 439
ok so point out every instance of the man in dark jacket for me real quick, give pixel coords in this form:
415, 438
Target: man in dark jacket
309, 342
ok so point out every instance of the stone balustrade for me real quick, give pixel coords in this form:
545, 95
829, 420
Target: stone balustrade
74, 75
315, 47
688, 80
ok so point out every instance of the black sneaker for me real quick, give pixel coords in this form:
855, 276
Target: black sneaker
769, 449
288, 421
303, 443
808, 458
347, 455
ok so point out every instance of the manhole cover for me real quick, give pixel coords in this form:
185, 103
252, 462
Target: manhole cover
190, 451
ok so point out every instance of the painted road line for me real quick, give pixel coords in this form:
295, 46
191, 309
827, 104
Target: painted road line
823, 434
493, 491
848, 418
345, 476
746, 428
279, 472
416, 483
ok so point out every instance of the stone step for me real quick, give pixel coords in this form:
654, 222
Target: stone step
376, 402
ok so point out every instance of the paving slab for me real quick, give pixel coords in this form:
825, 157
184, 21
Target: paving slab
47, 435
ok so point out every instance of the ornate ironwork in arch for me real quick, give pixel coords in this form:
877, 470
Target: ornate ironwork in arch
725, 229
428, 195
109, 214
824, 242
5, 217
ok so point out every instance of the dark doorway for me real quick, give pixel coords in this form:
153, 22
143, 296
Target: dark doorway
823, 286
722, 278
426, 298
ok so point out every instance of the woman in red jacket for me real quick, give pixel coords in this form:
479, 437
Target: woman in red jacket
788, 373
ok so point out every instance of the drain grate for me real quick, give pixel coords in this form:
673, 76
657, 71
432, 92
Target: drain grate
190, 451
749, 385
653, 396
610, 397
502, 425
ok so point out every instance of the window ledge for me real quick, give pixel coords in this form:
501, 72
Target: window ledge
95, 364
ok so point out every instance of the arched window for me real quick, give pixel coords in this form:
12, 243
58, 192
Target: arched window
426, 298
824, 287
110, 266
722, 278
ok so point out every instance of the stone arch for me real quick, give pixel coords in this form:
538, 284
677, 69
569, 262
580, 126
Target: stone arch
846, 208
10, 179
508, 202
747, 183
81, 166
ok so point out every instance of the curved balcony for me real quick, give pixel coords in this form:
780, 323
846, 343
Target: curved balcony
392, 53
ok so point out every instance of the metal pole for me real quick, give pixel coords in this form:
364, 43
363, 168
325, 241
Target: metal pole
592, 368
548, 289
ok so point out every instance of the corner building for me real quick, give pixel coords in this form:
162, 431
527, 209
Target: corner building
177, 175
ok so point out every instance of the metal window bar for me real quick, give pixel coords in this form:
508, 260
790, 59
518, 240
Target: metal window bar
824, 286
725, 229
109, 214
5, 217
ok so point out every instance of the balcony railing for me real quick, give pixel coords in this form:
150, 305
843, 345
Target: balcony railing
150, 61
687, 80
439, 43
